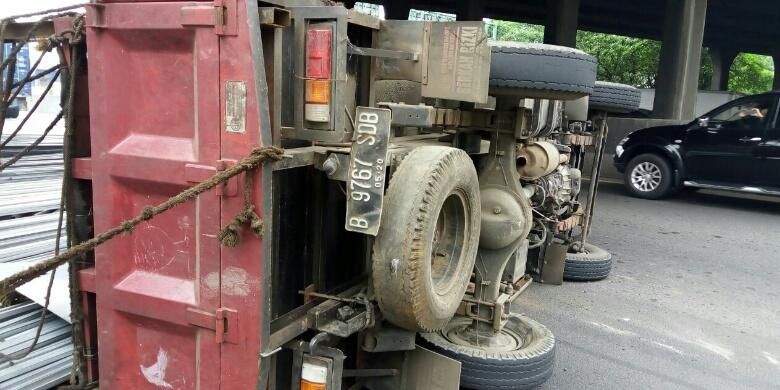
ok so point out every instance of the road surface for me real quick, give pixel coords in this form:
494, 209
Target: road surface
693, 301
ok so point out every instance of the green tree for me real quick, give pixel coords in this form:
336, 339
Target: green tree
518, 32
624, 60
751, 74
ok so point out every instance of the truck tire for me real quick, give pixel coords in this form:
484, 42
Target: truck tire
591, 265
526, 361
648, 176
614, 97
536, 70
427, 242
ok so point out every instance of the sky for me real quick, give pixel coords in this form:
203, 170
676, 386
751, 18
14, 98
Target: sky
13, 7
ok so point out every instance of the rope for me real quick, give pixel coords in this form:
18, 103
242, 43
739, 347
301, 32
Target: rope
230, 236
78, 375
7, 93
68, 111
44, 12
28, 148
248, 163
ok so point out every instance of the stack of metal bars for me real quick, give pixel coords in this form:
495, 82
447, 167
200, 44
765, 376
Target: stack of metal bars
30, 193
49, 364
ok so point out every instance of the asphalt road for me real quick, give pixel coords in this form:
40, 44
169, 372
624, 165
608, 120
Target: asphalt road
693, 301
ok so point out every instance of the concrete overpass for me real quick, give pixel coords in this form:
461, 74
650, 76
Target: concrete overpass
726, 27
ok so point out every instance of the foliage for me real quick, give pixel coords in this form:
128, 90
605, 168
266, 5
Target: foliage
751, 73
623, 60
519, 32
634, 61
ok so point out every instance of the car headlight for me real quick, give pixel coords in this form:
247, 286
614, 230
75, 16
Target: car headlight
619, 149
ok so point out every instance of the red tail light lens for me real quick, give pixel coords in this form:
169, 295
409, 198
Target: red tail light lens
318, 52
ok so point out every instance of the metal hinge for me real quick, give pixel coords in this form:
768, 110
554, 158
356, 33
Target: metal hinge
223, 321
196, 173
222, 16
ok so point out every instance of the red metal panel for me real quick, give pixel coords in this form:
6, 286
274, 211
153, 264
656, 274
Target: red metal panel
154, 105
243, 270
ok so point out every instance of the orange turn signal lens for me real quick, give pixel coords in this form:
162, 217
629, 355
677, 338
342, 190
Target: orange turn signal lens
318, 91
306, 385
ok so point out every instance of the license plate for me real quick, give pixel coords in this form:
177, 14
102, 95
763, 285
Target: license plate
366, 176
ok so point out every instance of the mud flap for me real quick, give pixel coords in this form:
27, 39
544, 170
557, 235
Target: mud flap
419, 369
553, 264
430, 370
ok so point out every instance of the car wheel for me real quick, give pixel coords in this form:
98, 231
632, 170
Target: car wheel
427, 242
520, 356
535, 70
591, 264
648, 176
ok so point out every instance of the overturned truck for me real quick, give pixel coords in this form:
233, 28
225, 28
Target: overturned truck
429, 176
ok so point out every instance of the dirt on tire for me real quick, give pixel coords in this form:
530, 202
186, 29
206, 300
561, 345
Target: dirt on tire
433, 197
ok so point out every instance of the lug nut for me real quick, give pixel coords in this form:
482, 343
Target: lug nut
496, 210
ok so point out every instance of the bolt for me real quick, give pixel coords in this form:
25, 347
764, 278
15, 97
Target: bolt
344, 312
330, 166
496, 210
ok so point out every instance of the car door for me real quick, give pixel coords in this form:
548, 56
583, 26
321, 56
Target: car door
767, 171
723, 147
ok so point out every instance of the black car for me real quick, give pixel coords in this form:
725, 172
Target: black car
733, 147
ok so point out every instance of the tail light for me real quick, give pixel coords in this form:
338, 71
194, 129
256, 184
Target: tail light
319, 41
314, 375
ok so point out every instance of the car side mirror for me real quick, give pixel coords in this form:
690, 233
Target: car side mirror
703, 122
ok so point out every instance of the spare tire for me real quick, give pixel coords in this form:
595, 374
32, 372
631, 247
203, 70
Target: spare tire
536, 70
426, 246
520, 356
589, 265
614, 97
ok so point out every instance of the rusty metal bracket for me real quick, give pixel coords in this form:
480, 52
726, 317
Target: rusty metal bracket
343, 319
274, 17
196, 173
223, 16
223, 321
229, 17
95, 17
230, 188
382, 53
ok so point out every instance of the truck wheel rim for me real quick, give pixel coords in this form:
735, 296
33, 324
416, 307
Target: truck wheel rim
646, 176
462, 331
448, 236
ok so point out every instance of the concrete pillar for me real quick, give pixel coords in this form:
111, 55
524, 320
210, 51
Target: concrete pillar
678, 69
397, 9
722, 58
470, 10
560, 27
